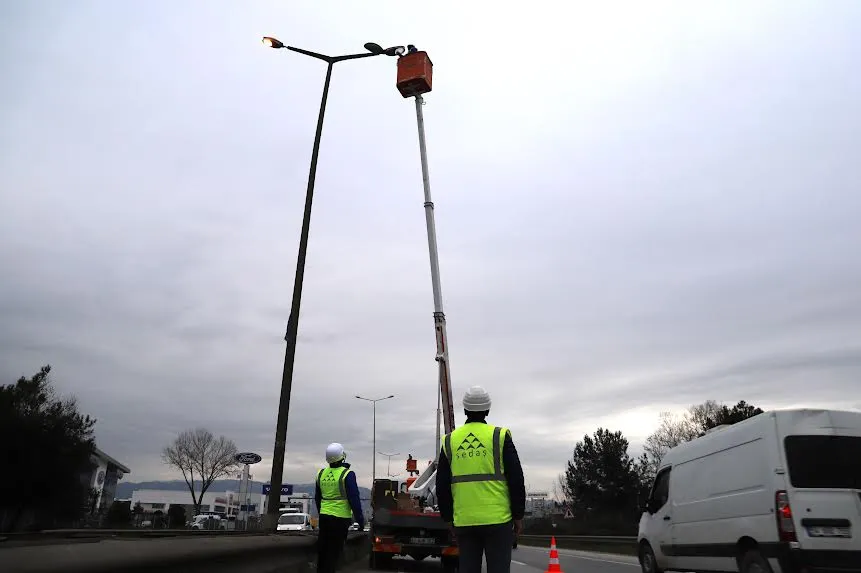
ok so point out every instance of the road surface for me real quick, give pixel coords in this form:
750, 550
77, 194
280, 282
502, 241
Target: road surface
531, 560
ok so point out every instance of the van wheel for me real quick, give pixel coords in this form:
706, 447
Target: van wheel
753, 562
648, 563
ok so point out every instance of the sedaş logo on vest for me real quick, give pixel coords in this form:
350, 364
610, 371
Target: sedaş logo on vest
470, 447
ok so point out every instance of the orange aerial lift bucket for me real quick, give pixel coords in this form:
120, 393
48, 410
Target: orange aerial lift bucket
415, 74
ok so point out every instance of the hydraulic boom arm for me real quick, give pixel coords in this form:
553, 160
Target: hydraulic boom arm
424, 484
438, 314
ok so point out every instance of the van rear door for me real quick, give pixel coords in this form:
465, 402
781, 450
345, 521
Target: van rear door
825, 475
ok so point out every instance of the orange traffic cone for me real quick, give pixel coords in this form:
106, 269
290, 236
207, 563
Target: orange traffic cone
554, 558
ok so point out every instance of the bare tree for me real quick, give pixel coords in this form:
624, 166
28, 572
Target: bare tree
202, 458
673, 431
702, 415
556, 490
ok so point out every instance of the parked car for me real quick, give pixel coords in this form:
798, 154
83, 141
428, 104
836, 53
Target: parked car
776, 492
210, 521
294, 522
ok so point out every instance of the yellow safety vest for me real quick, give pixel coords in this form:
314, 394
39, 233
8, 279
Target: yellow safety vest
333, 490
478, 483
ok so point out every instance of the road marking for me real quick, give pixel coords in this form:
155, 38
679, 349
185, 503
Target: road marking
520, 563
578, 556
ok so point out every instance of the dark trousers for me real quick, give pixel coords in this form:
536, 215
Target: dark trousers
331, 537
493, 541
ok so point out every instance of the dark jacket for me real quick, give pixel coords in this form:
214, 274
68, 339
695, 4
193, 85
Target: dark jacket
513, 476
352, 494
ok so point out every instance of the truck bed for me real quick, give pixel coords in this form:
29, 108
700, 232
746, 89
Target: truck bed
410, 533
407, 518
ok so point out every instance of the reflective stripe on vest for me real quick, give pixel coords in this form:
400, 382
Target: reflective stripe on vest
333, 492
478, 483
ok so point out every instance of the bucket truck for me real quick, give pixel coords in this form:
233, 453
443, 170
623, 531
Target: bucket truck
405, 518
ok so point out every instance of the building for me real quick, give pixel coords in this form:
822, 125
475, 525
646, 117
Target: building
538, 506
103, 478
303, 502
225, 503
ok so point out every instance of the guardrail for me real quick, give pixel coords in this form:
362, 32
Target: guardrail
103, 551
94, 535
595, 538
619, 544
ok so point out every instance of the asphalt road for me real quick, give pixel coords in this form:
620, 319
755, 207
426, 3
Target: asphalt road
533, 560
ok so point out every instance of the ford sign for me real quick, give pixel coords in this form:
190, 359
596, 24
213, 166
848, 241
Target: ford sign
247, 458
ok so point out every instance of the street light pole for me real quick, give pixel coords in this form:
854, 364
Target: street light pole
389, 464
374, 438
273, 501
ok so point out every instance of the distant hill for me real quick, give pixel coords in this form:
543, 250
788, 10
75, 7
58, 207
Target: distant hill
125, 489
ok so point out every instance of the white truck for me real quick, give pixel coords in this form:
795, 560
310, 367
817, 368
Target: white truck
777, 493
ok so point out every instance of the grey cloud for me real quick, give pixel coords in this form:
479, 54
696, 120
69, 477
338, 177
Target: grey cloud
670, 220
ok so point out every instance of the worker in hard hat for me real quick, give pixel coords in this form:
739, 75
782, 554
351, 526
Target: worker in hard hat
480, 487
338, 505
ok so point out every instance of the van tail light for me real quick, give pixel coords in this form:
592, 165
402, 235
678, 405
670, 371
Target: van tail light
785, 526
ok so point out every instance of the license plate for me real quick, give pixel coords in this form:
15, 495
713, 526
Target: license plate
826, 531
422, 540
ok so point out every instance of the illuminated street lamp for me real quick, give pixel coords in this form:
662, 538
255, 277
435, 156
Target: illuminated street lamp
293, 320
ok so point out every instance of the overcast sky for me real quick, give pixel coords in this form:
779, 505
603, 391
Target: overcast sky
640, 206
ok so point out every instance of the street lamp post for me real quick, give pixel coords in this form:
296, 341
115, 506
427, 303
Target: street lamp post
374, 439
274, 498
389, 463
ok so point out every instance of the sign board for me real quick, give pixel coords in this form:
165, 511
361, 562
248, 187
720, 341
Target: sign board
286, 489
569, 514
247, 458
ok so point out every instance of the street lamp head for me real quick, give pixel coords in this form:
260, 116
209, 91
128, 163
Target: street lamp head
272, 42
378, 50
390, 396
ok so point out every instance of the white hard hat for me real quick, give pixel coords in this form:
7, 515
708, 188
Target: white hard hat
335, 453
476, 399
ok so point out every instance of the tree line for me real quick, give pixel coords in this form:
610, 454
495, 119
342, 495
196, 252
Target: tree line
47, 436
49, 445
604, 486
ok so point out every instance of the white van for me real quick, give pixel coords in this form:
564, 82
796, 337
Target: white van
777, 493
294, 521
